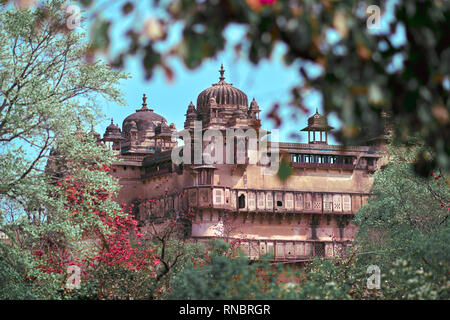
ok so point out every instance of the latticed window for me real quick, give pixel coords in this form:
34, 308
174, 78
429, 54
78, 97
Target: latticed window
338, 250
337, 202
269, 200
289, 199
218, 196
308, 201
299, 201
319, 249
317, 202
251, 201
328, 202
261, 200
346, 203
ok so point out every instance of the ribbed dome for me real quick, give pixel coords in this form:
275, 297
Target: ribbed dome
317, 122
224, 93
144, 119
112, 127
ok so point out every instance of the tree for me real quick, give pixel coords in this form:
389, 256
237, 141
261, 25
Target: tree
403, 230
406, 221
48, 102
223, 274
363, 74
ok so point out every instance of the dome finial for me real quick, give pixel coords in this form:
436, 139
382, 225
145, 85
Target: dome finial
112, 121
317, 110
144, 101
222, 71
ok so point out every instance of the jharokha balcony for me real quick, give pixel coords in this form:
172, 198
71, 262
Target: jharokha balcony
275, 201
342, 166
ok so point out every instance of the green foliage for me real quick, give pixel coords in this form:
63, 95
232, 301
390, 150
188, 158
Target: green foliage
48, 105
13, 275
407, 216
222, 276
403, 229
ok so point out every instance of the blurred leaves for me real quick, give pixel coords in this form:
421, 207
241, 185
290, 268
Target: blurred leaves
366, 73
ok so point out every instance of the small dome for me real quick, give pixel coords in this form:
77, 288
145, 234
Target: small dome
317, 122
144, 119
191, 109
224, 94
254, 106
112, 127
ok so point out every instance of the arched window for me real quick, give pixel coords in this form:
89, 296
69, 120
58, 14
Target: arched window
241, 201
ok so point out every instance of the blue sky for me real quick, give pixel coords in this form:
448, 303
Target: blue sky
268, 82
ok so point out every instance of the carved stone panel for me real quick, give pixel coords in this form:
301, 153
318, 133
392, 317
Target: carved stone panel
251, 201
346, 203
261, 201
218, 196
337, 202
269, 201
317, 205
289, 200
327, 202
279, 252
298, 202
308, 201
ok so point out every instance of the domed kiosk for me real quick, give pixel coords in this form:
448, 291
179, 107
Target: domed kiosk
143, 132
220, 106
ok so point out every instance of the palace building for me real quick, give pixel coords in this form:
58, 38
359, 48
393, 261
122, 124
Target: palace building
308, 213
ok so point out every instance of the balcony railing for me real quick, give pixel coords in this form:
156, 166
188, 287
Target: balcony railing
131, 158
307, 165
286, 250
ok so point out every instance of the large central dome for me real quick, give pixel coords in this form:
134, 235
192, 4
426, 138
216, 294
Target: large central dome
143, 119
224, 93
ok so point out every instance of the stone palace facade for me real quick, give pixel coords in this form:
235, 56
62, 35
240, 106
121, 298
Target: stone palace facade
307, 214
